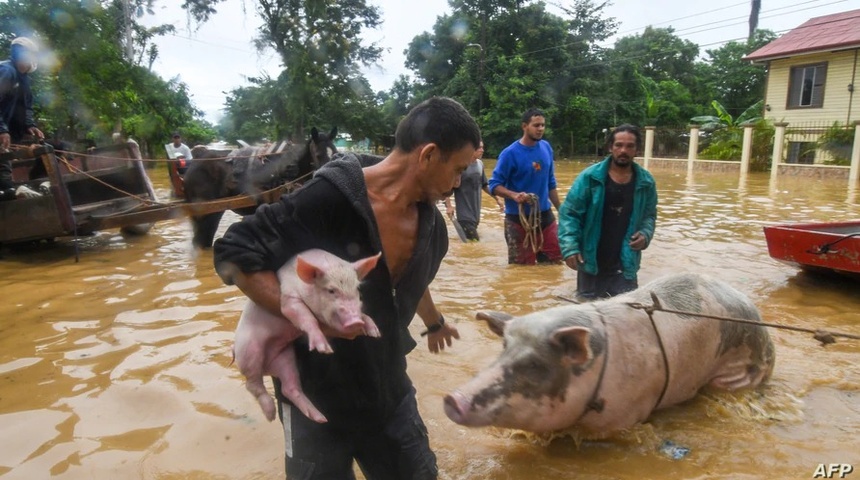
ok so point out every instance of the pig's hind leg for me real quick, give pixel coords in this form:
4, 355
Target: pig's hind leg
284, 367
738, 373
250, 359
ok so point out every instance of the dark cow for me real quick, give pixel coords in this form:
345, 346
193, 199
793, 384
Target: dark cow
213, 175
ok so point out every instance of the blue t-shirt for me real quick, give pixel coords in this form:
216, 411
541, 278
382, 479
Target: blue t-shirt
525, 169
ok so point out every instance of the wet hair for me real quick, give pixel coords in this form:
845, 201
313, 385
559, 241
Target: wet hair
438, 120
625, 127
532, 112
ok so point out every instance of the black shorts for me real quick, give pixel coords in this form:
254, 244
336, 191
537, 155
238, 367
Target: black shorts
603, 285
397, 449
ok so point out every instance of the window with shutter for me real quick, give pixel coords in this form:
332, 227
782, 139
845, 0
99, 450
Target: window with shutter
806, 86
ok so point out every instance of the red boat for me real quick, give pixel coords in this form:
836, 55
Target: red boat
817, 247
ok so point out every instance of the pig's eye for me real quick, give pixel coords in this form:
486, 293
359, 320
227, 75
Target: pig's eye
534, 369
331, 291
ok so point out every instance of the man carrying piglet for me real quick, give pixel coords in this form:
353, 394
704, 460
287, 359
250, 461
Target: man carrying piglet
356, 207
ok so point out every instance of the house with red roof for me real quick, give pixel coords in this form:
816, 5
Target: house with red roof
812, 73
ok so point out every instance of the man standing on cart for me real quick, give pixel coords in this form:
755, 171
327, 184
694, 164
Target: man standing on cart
16, 110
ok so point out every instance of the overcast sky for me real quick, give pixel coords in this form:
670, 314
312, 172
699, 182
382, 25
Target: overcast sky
217, 57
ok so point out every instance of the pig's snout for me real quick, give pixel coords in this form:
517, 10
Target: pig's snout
349, 314
457, 408
352, 322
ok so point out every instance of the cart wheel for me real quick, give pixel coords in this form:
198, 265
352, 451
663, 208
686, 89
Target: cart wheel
139, 229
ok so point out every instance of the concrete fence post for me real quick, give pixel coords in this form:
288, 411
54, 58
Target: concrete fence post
649, 144
694, 148
746, 150
854, 171
778, 147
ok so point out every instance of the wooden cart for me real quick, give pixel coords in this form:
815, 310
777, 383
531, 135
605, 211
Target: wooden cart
104, 189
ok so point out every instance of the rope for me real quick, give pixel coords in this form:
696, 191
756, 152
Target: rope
255, 155
531, 224
595, 403
665, 361
286, 187
283, 187
824, 249
103, 157
98, 180
824, 336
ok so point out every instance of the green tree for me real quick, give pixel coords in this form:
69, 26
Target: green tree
512, 93
659, 54
733, 81
501, 57
321, 48
87, 86
655, 60
251, 111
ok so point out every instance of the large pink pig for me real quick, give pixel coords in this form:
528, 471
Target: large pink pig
315, 285
600, 366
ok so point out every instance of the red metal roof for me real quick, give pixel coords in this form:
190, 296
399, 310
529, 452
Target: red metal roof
830, 32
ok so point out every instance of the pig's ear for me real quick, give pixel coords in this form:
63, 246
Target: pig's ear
496, 320
366, 265
574, 342
307, 271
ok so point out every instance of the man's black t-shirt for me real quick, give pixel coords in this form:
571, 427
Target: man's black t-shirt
617, 208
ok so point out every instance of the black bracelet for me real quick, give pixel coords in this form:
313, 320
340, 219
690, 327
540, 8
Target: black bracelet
434, 328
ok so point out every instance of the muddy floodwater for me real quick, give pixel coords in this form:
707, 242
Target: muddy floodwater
119, 366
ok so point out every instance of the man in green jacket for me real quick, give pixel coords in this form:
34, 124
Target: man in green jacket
608, 218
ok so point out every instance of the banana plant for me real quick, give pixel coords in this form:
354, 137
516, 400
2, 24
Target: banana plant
723, 119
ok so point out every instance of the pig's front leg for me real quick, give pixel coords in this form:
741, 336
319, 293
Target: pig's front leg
300, 315
284, 367
370, 328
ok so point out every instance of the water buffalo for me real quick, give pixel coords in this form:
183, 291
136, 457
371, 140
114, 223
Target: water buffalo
248, 170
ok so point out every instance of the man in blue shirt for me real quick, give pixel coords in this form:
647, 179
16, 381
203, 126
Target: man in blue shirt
525, 177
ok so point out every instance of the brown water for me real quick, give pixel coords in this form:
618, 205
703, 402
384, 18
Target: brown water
119, 366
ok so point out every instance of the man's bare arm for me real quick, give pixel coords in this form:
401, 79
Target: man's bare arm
262, 287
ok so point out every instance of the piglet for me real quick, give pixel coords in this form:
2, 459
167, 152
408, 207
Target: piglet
315, 286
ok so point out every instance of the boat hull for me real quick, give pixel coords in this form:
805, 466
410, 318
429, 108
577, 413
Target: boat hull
817, 247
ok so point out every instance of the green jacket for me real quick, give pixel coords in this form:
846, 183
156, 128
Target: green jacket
581, 215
